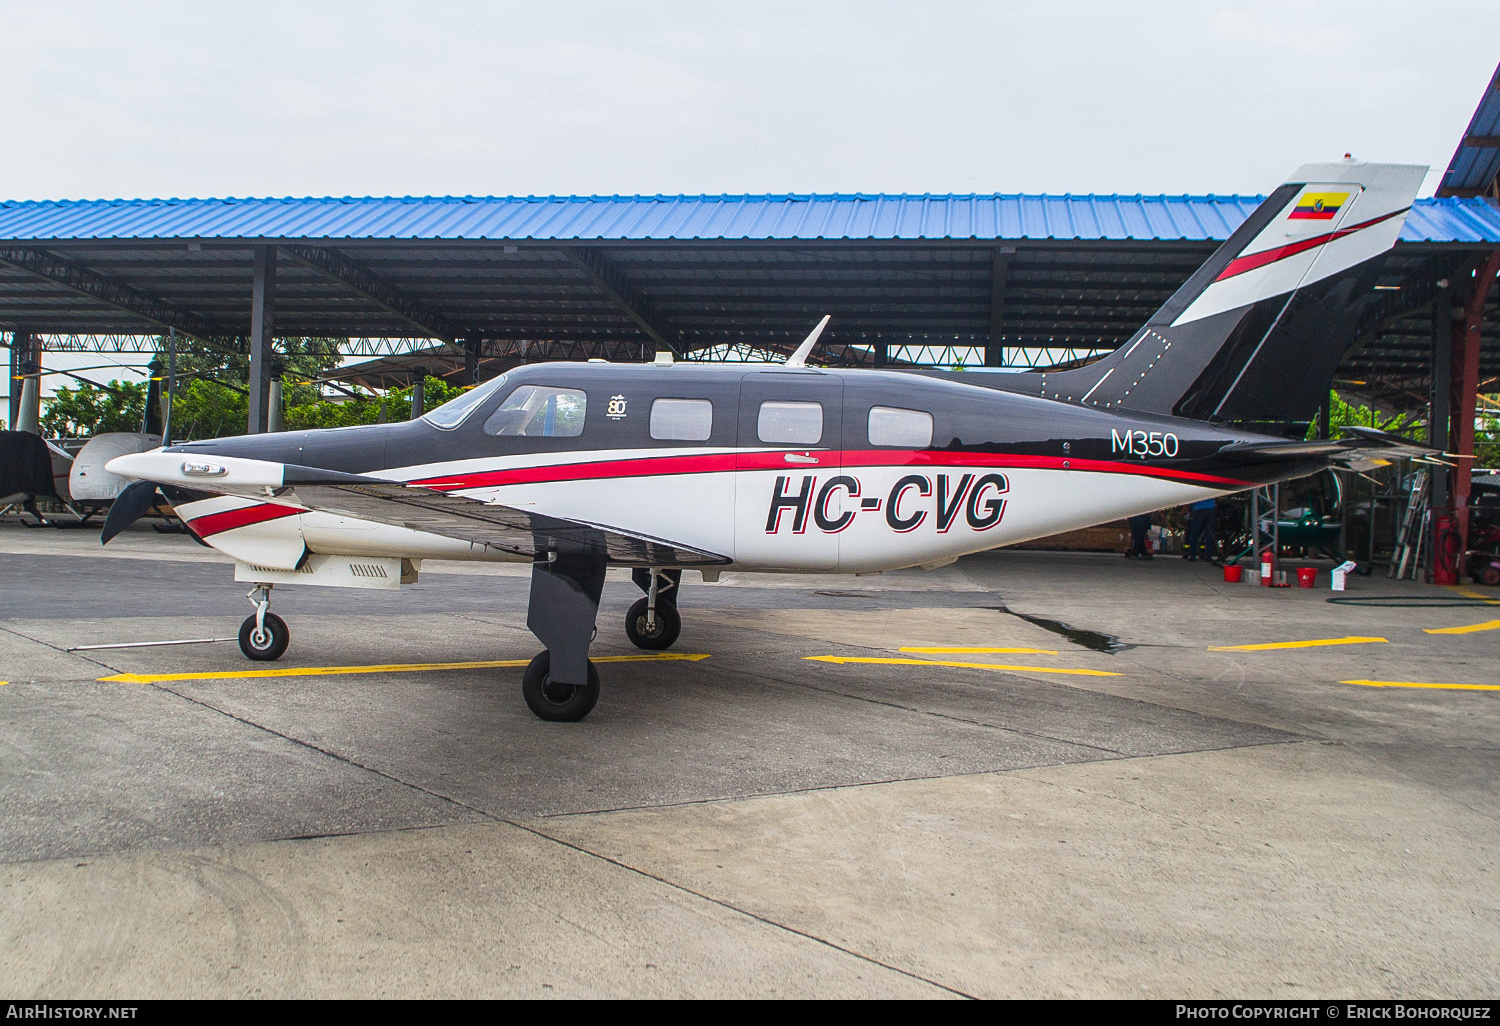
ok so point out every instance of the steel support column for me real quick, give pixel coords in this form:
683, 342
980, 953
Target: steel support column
1442, 392
999, 267
12, 382
262, 330
1466, 338
473, 349
25, 362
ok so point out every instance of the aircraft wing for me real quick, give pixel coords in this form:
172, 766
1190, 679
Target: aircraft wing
509, 528
458, 516
1366, 449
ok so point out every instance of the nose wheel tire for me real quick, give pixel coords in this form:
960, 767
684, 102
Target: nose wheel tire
665, 632
265, 644
554, 700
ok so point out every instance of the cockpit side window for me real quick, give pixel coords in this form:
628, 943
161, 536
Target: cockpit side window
790, 423
453, 413
539, 411
909, 429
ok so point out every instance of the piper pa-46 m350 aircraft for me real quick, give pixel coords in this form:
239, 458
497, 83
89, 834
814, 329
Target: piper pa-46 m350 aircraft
576, 467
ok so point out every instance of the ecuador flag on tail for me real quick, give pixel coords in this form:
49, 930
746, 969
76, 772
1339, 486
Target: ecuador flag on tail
1318, 206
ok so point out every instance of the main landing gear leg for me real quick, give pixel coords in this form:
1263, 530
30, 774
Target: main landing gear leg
561, 683
263, 635
653, 622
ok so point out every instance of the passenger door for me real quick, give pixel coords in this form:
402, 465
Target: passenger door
790, 441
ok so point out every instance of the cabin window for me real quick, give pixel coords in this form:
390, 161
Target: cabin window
685, 420
452, 413
537, 411
910, 429
790, 423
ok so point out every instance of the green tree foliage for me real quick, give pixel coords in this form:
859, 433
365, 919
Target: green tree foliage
305, 409
212, 400
295, 359
206, 409
1343, 414
94, 409
1487, 433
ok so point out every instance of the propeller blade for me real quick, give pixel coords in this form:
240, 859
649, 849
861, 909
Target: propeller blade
128, 507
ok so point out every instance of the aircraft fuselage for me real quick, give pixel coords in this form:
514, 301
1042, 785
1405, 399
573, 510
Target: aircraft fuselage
773, 468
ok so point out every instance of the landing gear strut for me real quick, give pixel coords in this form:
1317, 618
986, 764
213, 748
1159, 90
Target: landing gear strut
263, 635
653, 622
562, 683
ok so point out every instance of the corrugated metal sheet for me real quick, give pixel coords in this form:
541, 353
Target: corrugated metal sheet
1473, 168
651, 218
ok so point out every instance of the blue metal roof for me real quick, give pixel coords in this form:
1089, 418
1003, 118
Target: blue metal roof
998, 217
1476, 162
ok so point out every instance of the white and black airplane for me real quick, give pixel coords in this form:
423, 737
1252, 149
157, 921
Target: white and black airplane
576, 467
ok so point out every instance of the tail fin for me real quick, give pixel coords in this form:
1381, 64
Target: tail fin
1258, 331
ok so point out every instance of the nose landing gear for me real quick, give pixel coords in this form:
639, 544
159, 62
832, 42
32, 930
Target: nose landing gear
653, 622
263, 635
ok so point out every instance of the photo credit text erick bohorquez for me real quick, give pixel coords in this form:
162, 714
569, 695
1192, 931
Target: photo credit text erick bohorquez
1345, 1010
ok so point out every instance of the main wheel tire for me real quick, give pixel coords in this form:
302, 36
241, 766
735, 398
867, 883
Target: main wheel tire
270, 644
668, 626
551, 700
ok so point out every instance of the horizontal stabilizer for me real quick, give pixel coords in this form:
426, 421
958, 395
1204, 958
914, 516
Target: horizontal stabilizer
1365, 449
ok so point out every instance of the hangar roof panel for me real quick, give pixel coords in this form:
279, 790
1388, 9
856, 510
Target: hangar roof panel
993, 217
1476, 162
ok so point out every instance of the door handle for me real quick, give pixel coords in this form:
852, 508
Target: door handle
797, 457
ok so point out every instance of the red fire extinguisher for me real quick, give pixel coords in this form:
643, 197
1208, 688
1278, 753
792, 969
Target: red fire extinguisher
1446, 543
1266, 566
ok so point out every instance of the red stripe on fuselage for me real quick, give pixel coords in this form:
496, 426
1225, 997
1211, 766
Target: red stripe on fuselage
717, 463
1239, 265
647, 466
216, 523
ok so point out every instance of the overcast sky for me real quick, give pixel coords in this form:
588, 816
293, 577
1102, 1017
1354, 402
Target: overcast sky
308, 98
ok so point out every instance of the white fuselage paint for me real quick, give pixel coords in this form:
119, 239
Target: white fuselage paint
937, 516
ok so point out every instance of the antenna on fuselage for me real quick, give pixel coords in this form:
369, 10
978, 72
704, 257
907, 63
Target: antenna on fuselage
799, 358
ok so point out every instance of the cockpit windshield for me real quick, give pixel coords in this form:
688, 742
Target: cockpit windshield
453, 413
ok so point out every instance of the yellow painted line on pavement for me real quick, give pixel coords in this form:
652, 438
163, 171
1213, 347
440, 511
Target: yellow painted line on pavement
888, 661
328, 671
977, 651
1416, 684
1314, 643
1488, 625
1488, 598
